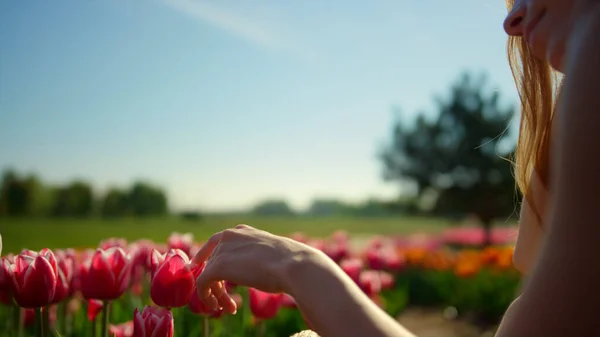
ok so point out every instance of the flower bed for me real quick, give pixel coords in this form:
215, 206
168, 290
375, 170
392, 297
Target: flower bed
135, 288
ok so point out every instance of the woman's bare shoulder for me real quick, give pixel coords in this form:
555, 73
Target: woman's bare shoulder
530, 226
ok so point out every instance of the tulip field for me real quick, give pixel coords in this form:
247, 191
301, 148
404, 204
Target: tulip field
144, 288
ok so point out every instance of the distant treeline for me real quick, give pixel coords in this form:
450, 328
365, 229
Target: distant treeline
22, 195
332, 207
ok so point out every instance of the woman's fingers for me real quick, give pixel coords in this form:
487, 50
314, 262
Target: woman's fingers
205, 281
206, 250
224, 299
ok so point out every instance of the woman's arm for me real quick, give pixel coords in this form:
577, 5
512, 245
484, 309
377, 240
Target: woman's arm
329, 299
562, 295
333, 303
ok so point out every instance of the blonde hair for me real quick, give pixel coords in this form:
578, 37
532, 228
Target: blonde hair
538, 87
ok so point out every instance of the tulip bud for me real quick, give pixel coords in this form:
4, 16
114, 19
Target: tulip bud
264, 305
105, 276
34, 278
153, 322
173, 281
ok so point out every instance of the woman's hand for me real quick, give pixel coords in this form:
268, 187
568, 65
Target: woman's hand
245, 256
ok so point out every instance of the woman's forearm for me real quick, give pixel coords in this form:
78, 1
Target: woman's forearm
332, 303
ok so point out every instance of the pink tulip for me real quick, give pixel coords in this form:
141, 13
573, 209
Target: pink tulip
65, 262
340, 236
387, 280
141, 252
384, 258
94, 308
173, 281
106, 275
317, 244
34, 278
288, 301
181, 241
264, 305
153, 322
199, 308
6, 283
113, 242
370, 282
337, 250
352, 267
28, 252
121, 330
196, 305
300, 237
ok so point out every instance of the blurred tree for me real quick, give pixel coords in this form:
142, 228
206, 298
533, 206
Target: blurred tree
328, 207
456, 161
273, 208
115, 203
146, 200
75, 199
16, 197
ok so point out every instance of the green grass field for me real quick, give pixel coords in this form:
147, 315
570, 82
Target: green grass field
58, 233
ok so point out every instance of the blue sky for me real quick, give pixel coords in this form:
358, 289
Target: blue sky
225, 103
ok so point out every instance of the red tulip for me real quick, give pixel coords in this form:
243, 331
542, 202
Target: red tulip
94, 308
264, 305
5, 297
28, 317
173, 281
121, 330
106, 275
153, 322
34, 278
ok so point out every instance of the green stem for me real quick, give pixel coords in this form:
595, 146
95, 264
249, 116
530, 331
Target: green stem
105, 316
262, 329
94, 327
206, 327
63, 314
46, 323
20, 313
39, 328
14, 325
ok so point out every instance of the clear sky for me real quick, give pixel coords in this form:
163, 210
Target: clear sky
225, 103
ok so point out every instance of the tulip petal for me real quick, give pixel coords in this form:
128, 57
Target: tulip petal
36, 285
139, 328
173, 283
